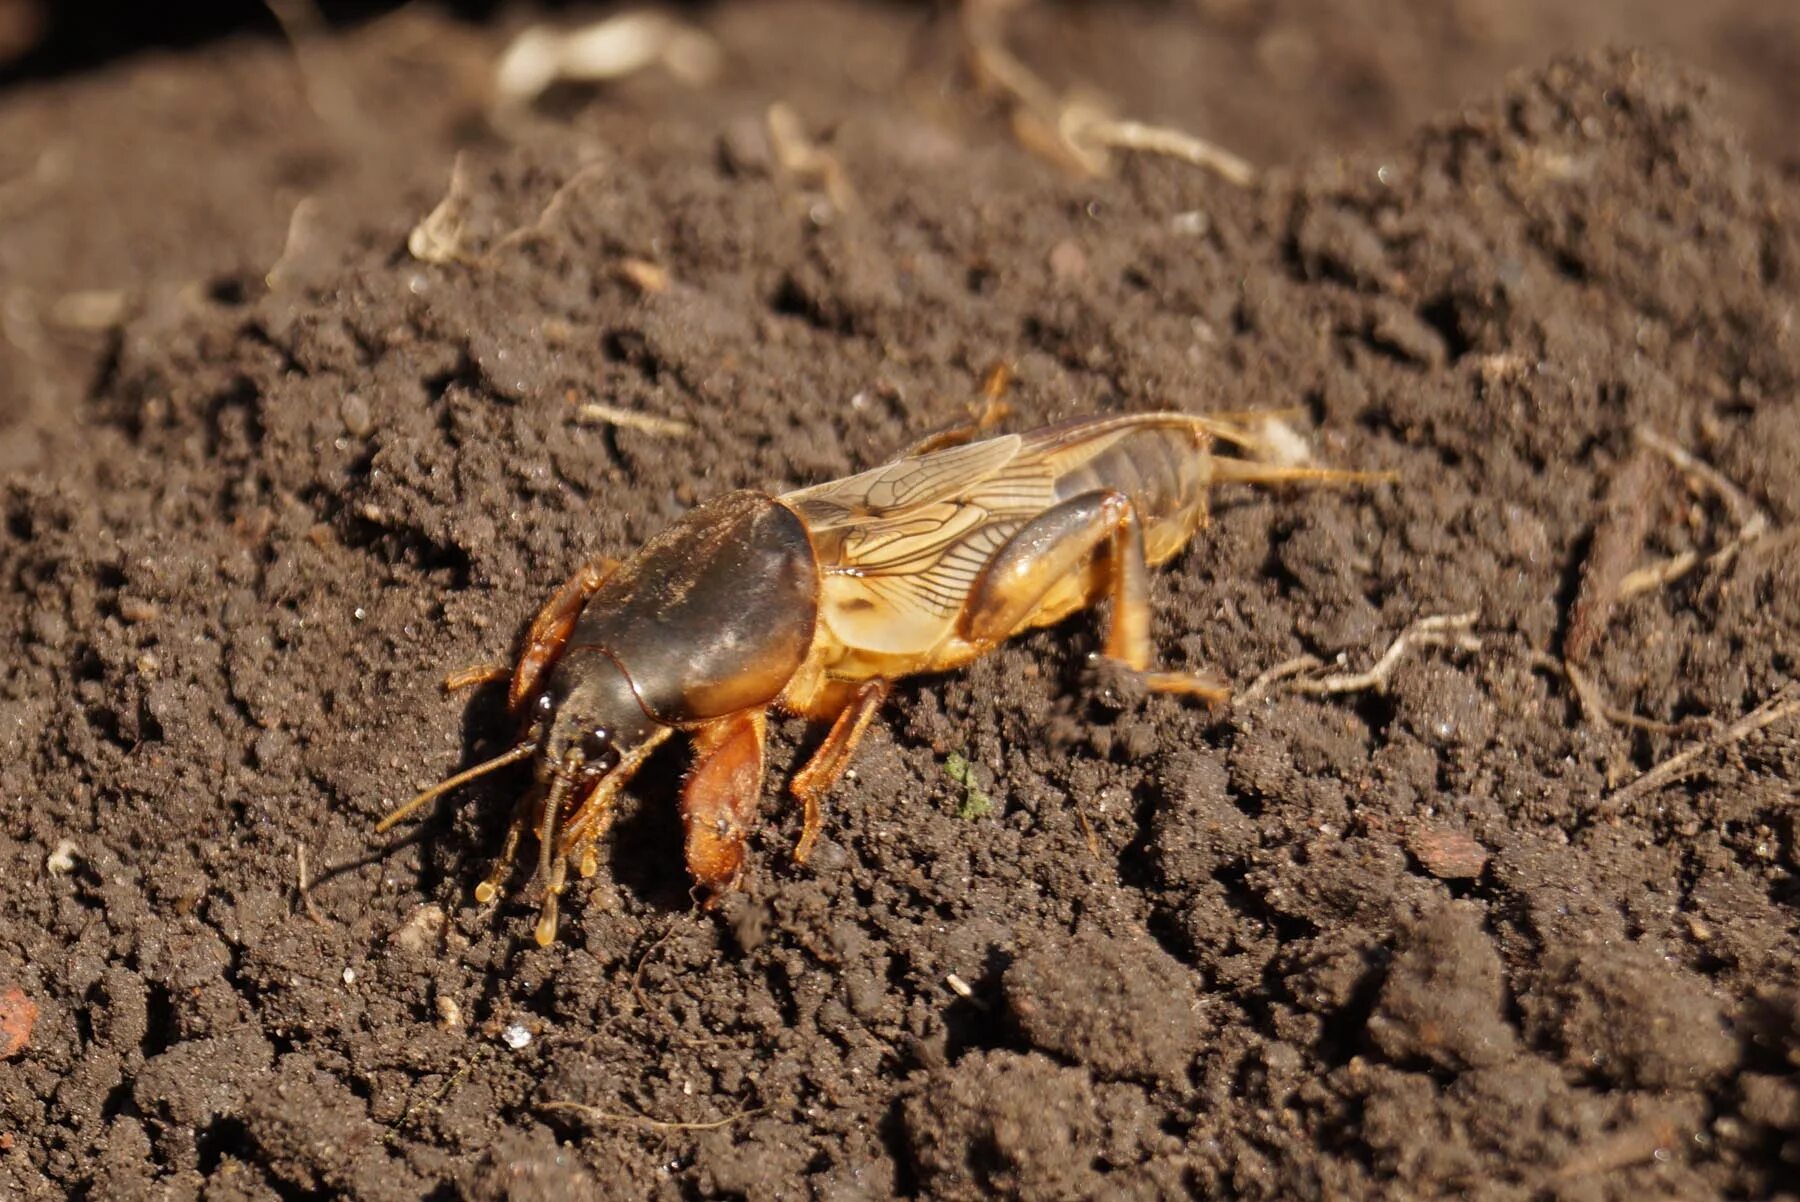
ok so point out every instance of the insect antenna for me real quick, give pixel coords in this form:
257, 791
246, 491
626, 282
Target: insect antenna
522, 751
1227, 469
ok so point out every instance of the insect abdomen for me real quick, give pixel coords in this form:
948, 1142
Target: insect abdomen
1165, 470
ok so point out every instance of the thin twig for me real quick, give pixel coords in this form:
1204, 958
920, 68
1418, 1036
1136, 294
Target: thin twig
595, 1115
1785, 701
1159, 139
1593, 706
1611, 713
1750, 518
305, 885
1067, 129
593, 413
1618, 540
1439, 630
799, 154
552, 208
1660, 574
1753, 522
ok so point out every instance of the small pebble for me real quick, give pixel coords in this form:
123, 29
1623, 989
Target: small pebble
1446, 854
516, 1036
353, 411
18, 1015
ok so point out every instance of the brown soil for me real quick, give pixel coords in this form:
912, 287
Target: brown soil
1407, 943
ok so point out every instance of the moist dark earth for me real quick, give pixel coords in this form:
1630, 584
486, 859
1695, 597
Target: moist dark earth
267, 478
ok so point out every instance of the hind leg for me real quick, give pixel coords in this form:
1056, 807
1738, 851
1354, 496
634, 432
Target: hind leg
1095, 528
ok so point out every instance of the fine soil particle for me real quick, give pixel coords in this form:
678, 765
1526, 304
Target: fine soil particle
265, 479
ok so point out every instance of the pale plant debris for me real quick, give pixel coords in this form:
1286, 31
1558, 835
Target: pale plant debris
1750, 518
439, 236
443, 236
1784, 701
595, 413
1618, 538
303, 887
1657, 575
552, 208
805, 159
303, 237
1590, 694
647, 277
609, 49
1073, 129
91, 310
634, 1117
1439, 630
1753, 523
62, 858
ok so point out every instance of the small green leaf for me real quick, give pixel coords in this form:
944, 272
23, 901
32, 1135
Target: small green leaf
976, 803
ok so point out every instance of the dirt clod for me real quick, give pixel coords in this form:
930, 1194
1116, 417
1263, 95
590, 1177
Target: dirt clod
1626, 1014
1119, 1005
1441, 1002
1007, 1125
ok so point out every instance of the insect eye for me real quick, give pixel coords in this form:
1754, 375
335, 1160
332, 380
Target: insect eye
597, 749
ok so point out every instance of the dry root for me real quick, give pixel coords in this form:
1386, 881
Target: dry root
594, 413
595, 1115
801, 156
1752, 522
1070, 129
1785, 701
1440, 630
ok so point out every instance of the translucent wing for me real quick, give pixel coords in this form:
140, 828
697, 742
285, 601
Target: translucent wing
901, 545
904, 483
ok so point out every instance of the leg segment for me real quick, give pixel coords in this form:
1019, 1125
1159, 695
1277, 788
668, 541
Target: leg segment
475, 674
719, 802
553, 625
1058, 545
812, 782
992, 411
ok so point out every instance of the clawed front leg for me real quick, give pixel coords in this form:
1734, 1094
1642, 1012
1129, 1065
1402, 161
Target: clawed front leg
719, 802
553, 625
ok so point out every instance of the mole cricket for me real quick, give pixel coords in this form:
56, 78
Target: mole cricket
815, 601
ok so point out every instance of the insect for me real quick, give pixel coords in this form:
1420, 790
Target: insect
814, 602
